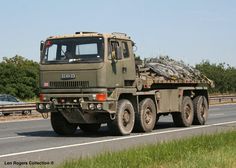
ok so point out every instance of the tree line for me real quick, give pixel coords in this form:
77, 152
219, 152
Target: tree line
20, 77
223, 75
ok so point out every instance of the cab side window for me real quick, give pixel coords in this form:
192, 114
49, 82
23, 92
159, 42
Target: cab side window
114, 50
125, 49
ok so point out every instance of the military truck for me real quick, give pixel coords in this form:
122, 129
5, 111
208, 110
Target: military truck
88, 79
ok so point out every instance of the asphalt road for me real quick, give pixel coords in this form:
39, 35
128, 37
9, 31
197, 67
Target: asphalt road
34, 142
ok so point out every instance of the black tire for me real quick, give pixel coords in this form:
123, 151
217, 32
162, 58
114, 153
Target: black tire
123, 123
184, 118
61, 126
6, 114
200, 107
145, 118
90, 128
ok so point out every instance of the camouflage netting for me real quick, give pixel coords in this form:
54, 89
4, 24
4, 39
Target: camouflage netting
175, 70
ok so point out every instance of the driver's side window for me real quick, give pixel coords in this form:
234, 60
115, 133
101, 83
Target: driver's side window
114, 50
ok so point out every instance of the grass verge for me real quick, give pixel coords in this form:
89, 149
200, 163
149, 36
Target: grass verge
206, 151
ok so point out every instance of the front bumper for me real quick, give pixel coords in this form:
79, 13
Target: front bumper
107, 107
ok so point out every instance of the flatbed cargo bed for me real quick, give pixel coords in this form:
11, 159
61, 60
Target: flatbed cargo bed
152, 79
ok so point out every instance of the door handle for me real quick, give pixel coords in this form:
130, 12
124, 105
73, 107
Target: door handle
124, 69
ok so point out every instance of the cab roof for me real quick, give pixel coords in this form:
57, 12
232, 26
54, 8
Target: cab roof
92, 34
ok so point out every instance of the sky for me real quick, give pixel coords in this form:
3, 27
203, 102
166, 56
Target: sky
186, 30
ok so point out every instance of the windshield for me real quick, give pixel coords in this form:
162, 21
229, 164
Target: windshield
73, 50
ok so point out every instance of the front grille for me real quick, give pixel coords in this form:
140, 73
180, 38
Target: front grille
69, 84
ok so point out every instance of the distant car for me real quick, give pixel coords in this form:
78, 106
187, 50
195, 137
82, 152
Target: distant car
6, 99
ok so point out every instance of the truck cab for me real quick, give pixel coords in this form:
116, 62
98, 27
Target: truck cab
79, 73
87, 60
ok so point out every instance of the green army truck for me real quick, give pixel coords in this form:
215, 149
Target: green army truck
89, 78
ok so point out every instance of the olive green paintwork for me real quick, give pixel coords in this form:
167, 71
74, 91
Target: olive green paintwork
109, 74
114, 77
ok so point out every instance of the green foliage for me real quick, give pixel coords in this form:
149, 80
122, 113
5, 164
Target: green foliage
223, 75
19, 77
216, 150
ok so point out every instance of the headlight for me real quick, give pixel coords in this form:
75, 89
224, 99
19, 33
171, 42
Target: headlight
48, 106
41, 106
91, 106
99, 106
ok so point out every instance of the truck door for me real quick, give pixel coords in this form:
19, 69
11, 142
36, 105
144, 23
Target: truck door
114, 68
128, 63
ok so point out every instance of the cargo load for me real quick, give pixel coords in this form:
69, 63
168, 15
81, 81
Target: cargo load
166, 70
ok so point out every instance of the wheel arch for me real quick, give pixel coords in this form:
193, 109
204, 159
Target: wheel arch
132, 98
136, 99
153, 97
193, 93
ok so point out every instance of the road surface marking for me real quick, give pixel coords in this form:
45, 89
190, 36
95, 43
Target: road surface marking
213, 115
113, 139
215, 108
13, 137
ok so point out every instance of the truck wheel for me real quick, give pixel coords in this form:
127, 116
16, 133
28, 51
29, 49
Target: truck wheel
184, 118
200, 106
61, 126
145, 119
123, 123
89, 127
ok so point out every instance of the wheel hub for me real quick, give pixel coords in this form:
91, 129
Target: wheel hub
148, 116
202, 110
187, 111
126, 117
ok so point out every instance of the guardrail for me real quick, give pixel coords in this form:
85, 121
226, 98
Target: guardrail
223, 99
11, 108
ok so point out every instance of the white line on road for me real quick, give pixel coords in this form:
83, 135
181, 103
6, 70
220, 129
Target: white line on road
217, 115
13, 137
113, 139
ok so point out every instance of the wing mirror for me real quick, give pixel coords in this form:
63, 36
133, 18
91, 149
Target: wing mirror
116, 54
41, 45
